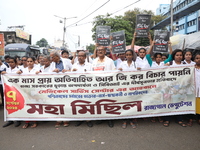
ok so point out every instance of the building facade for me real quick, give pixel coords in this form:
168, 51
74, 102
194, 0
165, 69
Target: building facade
186, 16
17, 36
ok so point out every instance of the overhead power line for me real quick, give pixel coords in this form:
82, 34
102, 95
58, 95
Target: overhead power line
90, 13
125, 7
88, 8
110, 14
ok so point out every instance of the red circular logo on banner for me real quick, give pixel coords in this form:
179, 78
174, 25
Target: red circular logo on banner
14, 99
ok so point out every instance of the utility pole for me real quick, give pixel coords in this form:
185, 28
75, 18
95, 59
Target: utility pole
64, 33
64, 29
79, 40
171, 6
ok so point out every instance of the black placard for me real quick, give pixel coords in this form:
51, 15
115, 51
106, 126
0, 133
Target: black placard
103, 35
118, 42
161, 39
142, 25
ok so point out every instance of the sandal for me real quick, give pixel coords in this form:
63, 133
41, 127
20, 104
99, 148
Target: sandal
182, 124
160, 120
124, 125
153, 120
25, 125
166, 123
66, 124
189, 123
57, 124
34, 125
133, 125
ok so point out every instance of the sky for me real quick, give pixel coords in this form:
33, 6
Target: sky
39, 19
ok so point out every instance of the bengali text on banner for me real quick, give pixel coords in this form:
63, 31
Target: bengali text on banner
100, 95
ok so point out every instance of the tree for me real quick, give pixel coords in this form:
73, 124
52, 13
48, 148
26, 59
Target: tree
42, 43
90, 47
117, 23
127, 23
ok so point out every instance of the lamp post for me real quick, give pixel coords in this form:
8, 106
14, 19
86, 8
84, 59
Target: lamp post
64, 29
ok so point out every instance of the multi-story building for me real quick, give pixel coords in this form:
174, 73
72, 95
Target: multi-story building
186, 16
17, 36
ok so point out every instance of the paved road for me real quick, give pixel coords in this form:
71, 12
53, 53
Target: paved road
147, 136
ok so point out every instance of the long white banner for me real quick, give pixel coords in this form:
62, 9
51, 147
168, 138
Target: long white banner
100, 95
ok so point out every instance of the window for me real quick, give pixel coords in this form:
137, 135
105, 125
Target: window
191, 23
181, 27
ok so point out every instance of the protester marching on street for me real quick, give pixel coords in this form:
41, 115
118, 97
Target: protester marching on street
103, 63
82, 66
13, 69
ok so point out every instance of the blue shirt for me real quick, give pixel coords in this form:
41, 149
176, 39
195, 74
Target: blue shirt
59, 65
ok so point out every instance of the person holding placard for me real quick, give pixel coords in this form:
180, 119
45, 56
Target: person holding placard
102, 62
141, 59
158, 57
157, 63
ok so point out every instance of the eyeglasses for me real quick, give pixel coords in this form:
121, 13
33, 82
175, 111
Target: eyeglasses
81, 55
100, 49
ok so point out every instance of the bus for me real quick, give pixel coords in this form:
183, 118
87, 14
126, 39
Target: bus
21, 49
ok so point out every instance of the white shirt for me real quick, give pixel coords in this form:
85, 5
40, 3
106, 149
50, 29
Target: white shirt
106, 65
142, 63
174, 63
191, 63
197, 79
119, 61
125, 67
154, 64
21, 67
90, 60
66, 59
3, 66
66, 64
82, 68
9, 70
45, 70
32, 71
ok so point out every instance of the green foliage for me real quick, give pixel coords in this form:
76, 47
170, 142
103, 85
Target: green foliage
127, 23
42, 43
117, 23
91, 48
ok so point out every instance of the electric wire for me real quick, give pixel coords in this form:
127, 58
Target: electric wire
110, 14
88, 8
90, 13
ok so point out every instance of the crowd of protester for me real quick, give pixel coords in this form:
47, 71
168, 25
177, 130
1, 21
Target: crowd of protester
104, 60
